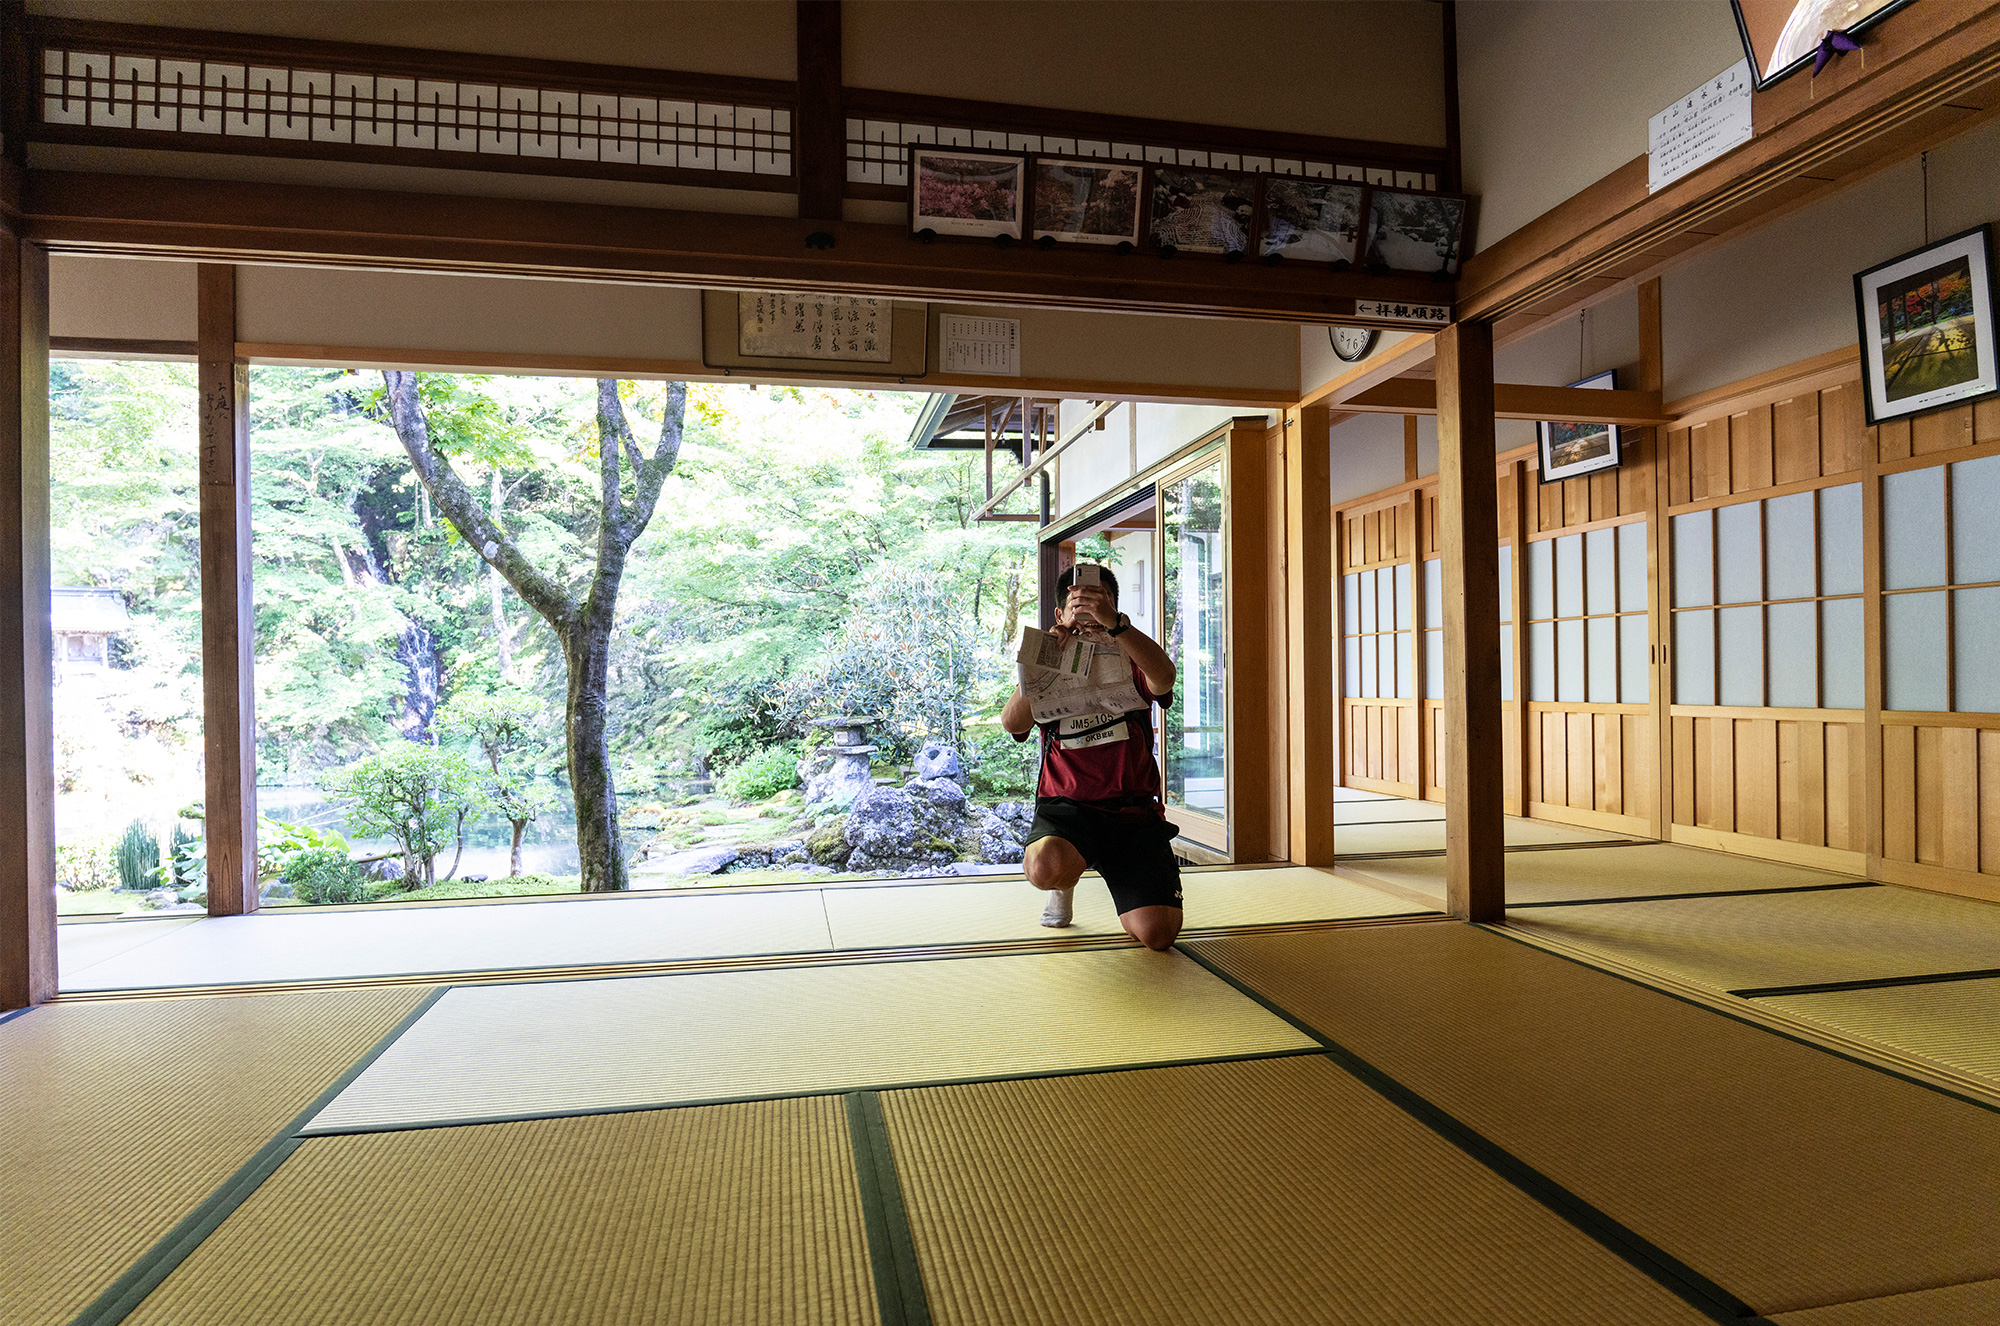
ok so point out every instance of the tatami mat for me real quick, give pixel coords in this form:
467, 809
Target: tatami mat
1779, 939
486, 1051
117, 1120
332, 945
735, 1213
1956, 1023
1786, 1174
1645, 870
1384, 812
1276, 1191
1012, 909
1350, 840
82, 945
1954, 1305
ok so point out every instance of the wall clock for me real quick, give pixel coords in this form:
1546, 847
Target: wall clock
1351, 344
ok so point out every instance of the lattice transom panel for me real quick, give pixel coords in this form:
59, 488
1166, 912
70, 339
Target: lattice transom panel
205, 98
877, 154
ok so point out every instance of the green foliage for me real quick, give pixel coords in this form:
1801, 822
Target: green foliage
416, 795
512, 887
764, 775
510, 729
1003, 769
278, 842
86, 864
321, 875
138, 856
187, 853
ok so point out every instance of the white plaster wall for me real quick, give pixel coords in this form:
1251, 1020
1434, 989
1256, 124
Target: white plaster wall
121, 297
1786, 292
1555, 94
1100, 461
1372, 69
1367, 455
1138, 575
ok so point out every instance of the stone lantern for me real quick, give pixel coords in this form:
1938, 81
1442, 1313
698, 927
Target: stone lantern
848, 776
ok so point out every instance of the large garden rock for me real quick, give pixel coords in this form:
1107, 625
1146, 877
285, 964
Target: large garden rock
902, 828
1003, 830
828, 844
938, 761
698, 861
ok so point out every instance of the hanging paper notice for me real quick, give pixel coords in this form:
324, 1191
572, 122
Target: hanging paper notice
783, 324
1700, 127
980, 345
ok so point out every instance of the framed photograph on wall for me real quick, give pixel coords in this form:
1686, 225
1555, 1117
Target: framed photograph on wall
1926, 327
1310, 220
1086, 202
1571, 450
956, 191
1782, 36
1411, 231
1200, 211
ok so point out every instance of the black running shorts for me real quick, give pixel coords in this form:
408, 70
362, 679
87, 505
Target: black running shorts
1130, 851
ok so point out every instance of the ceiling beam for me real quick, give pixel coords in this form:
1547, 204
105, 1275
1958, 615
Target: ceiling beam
214, 220
1581, 405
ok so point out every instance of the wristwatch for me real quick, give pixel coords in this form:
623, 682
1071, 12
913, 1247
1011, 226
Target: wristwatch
1124, 625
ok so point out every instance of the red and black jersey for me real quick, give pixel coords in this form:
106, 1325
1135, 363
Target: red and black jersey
1104, 761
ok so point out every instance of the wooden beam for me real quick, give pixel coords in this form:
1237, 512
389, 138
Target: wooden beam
1410, 353
229, 719
27, 649
1582, 405
216, 221
1469, 533
1309, 587
820, 131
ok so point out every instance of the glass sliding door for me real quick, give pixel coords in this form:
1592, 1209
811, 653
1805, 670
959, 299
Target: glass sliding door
1195, 634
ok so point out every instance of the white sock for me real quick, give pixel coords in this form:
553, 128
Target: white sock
1057, 913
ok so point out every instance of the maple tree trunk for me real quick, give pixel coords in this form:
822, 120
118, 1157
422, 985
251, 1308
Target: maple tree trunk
587, 650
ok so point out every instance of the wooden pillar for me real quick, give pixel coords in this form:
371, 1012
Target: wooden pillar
1652, 377
1257, 663
1311, 769
27, 650
229, 717
1516, 588
1410, 448
1469, 534
819, 130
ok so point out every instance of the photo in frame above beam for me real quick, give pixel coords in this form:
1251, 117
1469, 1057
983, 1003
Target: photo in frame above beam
211, 220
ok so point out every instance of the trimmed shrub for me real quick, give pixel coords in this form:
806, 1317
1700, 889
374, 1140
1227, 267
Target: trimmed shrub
324, 875
764, 775
85, 865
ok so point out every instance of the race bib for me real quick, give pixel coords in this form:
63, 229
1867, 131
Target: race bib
1083, 731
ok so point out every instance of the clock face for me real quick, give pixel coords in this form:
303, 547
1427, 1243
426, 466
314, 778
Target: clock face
1352, 343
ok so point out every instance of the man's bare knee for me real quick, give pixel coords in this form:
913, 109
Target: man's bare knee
1155, 927
1051, 863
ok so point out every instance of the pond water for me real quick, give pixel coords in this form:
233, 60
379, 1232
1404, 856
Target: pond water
547, 848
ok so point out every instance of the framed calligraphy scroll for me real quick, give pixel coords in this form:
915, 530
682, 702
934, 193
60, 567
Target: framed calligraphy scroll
810, 332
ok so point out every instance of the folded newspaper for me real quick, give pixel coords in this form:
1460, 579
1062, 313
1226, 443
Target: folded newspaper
1062, 680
